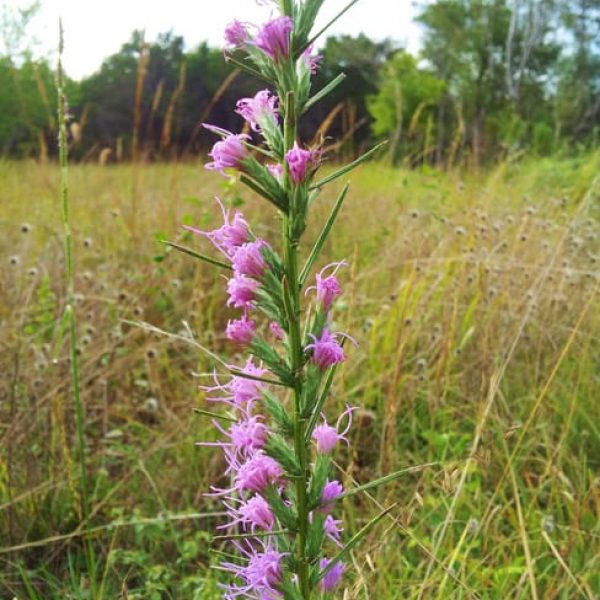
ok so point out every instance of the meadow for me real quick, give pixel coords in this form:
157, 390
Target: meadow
474, 299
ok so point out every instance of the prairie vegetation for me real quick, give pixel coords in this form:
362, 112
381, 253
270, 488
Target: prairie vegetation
476, 302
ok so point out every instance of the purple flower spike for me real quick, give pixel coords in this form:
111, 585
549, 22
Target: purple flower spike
277, 171
248, 259
262, 575
258, 513
258, 473
333, 577
333, 530
331, 491
236, 34
328, 287
232, 234
259, 111
241, 331
249, 435
327, 436
274, 38
326, 351
311, 61
240, 392
230, 152
299, 162
277, 330
242, 291
245, 437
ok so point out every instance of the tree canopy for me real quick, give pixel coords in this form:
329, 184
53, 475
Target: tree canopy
493, 77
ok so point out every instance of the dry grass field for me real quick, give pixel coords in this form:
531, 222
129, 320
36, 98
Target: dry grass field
474, 299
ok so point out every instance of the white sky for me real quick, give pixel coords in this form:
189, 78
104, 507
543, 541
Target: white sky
94, 29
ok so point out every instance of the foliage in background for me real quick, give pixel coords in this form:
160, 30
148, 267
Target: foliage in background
517, 76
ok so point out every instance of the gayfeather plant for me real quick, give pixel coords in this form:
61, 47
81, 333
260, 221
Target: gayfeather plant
282, 495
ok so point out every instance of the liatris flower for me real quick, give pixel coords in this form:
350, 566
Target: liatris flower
236, 34
327, 436
311, 61
239, 392
257, 473
328, 287
333, 529
248, 259
230, 152
325, 350
260, 111
262, 575
331, 491
241, 331
260, 463
333, 577
255, 513
299, 161
232, 234
274, 38
248, 435
242, 291
276, 170
277, 330
245, 437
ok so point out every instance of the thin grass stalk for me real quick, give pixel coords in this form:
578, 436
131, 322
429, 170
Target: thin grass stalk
68, 248
70, 300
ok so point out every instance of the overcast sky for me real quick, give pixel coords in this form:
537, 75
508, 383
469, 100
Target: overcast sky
94, 29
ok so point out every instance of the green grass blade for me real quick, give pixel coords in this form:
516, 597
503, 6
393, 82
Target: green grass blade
247, 69
213, 415
314, 253
325, 91
355, 540
213, 261
348, 167
385, 479
319, 405
322, 31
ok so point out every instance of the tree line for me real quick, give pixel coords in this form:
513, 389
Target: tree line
494, 78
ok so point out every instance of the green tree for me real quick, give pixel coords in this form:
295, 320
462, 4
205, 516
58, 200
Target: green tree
578, 95
406, 102
495, 60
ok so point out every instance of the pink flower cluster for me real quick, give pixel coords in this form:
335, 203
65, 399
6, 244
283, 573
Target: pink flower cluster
257, 492
251, 471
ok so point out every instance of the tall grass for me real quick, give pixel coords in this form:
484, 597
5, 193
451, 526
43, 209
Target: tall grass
477, 303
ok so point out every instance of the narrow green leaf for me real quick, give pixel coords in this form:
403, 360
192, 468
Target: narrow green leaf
348, 167
385, 479
241, 536
239, 373
318, 480
278, 449
281, 510
278, 413
247, 68
208, 413
316, 249
354, 540
257, 189
322, 31
269, 355
316, 535
324, 91
203, 257
312, 422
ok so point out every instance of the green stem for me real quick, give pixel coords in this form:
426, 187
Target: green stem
290, 245
70, 303
70, 310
